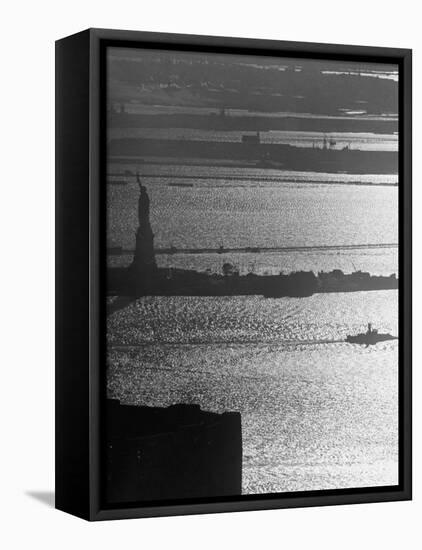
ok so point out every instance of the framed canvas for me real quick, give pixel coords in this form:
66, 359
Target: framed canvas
233, 274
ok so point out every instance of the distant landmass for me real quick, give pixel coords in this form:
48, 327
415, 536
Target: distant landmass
343, 123
266, 154
250, 82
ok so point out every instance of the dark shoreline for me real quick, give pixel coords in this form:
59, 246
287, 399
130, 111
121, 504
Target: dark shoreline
180, 282
253, 123
265, 155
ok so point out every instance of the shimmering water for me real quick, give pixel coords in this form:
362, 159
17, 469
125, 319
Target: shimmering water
317, 413
249, 207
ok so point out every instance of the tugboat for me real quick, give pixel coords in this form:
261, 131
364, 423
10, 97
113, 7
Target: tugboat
370, 337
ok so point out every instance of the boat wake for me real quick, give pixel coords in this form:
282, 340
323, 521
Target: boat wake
236, 342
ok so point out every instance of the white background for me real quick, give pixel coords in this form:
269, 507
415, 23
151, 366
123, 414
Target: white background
28, 32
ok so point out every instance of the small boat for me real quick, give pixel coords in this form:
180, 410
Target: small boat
370, 337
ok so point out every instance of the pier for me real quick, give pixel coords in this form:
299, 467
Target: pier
120, 251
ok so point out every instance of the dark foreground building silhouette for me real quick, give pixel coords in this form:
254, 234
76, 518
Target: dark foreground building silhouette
177, 452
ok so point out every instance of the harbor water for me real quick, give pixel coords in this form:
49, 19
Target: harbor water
317, 412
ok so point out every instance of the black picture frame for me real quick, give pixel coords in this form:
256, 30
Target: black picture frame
80, 273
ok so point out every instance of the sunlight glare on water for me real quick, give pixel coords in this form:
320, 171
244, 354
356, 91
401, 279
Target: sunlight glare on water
317, 413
